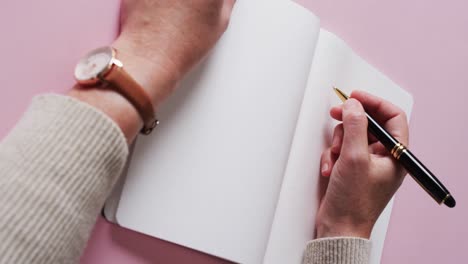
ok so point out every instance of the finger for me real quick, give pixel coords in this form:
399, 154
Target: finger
326, 162
372, 139
378, 149
336, 112
337, 139
227, 8
391, 117
355, 143
229, 4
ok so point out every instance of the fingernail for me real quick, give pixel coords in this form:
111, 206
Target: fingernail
325, 168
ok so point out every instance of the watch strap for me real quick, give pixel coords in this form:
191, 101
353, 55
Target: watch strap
124, 84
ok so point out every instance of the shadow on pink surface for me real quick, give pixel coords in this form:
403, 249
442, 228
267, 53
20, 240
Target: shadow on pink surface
131, 247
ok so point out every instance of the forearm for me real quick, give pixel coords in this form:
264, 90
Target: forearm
57, 167
157, 79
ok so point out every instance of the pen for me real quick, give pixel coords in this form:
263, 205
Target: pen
413, 166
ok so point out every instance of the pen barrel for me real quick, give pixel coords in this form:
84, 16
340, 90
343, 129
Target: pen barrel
413, 166
381, 134
423, 176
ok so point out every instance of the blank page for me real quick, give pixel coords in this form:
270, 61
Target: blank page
209, 176
335, 64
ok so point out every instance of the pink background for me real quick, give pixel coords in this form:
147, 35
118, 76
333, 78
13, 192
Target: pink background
420, 44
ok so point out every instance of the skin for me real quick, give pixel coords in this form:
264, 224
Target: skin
161, 40
363, 176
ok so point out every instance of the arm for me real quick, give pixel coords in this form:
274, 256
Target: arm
362, 176
161, 41
59, 163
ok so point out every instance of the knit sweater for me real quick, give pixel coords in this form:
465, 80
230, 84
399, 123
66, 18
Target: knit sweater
58, 165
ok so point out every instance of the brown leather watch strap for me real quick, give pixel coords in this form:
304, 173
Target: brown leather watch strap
132, 91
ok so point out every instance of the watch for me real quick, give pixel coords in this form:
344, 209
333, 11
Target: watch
101, 67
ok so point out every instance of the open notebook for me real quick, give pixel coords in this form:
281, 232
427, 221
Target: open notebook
233, 168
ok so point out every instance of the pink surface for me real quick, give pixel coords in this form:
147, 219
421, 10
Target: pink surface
422, 45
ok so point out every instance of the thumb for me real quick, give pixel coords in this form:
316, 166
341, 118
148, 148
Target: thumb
227, 8
226, 12
355, 142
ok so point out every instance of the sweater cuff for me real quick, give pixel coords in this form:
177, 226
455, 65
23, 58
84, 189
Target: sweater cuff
337, 250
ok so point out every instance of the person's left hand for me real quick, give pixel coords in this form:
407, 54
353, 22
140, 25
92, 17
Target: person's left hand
161, 40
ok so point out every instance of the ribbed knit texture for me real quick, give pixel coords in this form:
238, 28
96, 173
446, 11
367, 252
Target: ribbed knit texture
338, 250
57, 167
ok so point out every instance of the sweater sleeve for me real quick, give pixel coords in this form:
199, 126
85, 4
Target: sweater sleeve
57, 166
337, 250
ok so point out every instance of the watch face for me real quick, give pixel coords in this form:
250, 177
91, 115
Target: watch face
93, 64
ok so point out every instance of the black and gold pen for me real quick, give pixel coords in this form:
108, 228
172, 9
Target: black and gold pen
413, 166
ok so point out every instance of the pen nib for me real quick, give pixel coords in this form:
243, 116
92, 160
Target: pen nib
340, 94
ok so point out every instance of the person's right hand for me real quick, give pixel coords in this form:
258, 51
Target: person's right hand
363, 174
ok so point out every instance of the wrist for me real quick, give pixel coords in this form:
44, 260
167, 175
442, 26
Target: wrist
154, 76
342, 228
153, 71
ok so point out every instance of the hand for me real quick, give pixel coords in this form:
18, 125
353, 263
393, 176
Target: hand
161, 40
363, 175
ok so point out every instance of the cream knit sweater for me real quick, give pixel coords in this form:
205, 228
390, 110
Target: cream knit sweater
58, 165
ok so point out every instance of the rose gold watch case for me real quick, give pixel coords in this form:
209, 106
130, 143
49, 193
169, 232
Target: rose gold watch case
109, 71
99, 78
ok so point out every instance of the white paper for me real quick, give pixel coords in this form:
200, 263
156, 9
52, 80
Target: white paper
334, 65
209, 176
